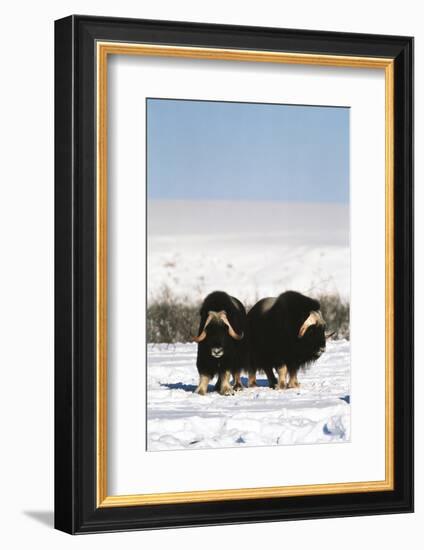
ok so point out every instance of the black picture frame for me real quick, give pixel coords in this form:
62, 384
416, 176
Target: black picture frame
76, 509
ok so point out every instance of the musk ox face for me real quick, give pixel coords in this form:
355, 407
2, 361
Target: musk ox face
217, 339
312, 336
217, 334
313, 342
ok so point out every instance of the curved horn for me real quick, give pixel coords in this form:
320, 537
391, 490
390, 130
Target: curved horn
231, 331
202, 335
314, 318
330, 334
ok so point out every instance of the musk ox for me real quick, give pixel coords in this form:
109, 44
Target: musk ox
285, 333
221, 347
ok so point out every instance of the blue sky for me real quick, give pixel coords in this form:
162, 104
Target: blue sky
205, 150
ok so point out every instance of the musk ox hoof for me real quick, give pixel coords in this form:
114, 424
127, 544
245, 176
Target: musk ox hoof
227, 391
253, 385
200, 391
293, 385
238, 387
280, 386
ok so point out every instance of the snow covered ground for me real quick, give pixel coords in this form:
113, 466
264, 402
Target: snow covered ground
317, 412
249, 249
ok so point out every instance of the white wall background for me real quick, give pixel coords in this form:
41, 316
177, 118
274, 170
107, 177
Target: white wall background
26, 275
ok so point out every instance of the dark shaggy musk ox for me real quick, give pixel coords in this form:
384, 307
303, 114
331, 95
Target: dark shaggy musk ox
285, 333
221, 347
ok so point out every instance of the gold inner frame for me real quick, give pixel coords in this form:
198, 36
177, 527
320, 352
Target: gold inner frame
104, 49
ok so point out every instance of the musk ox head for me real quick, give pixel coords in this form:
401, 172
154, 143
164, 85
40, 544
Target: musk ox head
217, 334
312, 336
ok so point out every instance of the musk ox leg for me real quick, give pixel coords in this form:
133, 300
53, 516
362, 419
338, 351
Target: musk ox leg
218, 384
226, 388
272, 381
282, 374
293, 381
252, 379
202, 388
237, 385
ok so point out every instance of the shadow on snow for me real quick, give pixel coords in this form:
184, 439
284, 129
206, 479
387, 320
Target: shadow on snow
262, 383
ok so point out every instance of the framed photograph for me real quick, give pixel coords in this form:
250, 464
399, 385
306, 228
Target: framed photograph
234, 274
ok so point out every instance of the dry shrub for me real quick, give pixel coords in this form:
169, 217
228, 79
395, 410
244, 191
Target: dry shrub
336, 314
171, 319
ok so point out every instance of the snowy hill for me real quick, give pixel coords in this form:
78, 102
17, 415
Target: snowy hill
249, 249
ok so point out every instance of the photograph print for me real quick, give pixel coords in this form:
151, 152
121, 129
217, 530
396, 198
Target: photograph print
248, 274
